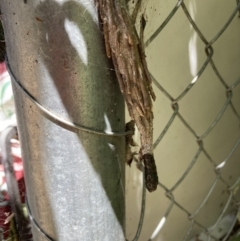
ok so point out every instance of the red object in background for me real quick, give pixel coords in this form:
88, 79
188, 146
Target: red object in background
18, 169
5, 208
5, 211
3, 68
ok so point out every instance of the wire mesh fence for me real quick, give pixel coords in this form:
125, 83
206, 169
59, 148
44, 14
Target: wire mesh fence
231, 202
232, 199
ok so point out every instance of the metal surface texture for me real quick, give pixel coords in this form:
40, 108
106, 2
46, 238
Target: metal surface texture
73, 178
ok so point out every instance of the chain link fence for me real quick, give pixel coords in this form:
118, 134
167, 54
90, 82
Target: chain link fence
194, 223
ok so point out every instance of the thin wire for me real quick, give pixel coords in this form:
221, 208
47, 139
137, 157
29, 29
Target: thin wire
169, 195
155, 34
55, 117
222, 164
218, 74
234, 110
187, 125
189, 230
235, 83
161, 88
231, 228
166, 127
222, 213
140, 224
193, 24
163, 218
218, 117
234, 185
188, 168
206, 198
224, 26
194, 80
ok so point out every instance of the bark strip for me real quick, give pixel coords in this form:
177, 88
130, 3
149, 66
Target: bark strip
125, 48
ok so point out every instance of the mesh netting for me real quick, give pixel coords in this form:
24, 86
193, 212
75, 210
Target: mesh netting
206, 167
196, 122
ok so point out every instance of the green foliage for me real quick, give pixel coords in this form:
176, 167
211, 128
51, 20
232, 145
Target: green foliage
8, 112
235, 237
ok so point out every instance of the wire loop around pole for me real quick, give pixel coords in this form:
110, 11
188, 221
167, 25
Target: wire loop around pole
57, 119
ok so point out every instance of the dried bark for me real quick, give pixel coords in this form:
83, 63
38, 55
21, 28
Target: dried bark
125, 48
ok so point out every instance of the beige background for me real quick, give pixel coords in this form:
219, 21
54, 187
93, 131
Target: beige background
174, 59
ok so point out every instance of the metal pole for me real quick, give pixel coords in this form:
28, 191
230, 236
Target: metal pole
74, 178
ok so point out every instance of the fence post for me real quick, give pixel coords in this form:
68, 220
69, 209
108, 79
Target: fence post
74, 178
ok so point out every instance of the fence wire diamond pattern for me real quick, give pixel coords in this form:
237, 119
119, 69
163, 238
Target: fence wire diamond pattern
229, 92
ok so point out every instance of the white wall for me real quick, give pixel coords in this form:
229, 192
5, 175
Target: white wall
174, 59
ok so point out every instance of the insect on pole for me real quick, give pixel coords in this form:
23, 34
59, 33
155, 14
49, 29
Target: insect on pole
70, 116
